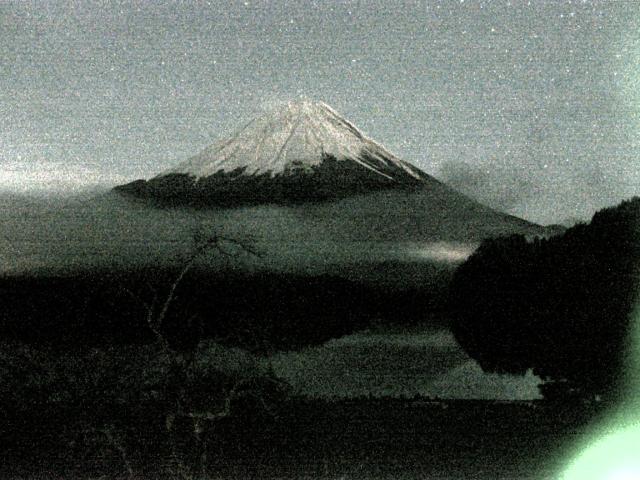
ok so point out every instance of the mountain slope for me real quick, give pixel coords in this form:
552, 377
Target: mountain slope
315, 195
370, 235
303, 151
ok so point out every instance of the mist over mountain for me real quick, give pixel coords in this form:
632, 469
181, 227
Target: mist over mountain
501, 187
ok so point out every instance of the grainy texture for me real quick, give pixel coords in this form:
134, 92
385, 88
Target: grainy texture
171, 339
530, 106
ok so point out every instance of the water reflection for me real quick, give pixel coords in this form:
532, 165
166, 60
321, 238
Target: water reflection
428, 362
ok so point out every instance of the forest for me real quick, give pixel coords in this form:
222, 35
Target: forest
560, 306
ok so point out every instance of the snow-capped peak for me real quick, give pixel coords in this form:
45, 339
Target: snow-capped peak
295, 136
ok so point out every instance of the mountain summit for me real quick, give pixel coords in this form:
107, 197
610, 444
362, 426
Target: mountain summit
300, 151
295, 138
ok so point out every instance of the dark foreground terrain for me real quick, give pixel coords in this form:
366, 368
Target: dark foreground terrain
359, 439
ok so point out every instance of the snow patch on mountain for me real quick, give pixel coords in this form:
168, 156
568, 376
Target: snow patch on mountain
293, 138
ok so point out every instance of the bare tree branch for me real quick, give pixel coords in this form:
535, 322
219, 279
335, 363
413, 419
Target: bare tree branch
157, 311
147, 306
202, 245
107, 431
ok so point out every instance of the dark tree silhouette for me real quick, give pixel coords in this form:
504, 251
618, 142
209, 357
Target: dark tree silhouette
111, 396
559, 306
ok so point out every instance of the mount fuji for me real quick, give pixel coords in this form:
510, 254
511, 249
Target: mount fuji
312, 192
315, 193
302, 151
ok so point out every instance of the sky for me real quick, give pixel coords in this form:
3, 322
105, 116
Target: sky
531, 107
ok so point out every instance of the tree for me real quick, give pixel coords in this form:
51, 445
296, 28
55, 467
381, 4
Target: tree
559, 306
184, 376
102, 400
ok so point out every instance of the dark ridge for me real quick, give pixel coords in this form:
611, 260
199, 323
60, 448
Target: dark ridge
330, 180
260, 311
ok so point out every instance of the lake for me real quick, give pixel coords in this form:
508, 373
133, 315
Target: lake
422, 361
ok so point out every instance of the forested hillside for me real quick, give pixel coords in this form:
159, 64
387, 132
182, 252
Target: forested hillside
560, 306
